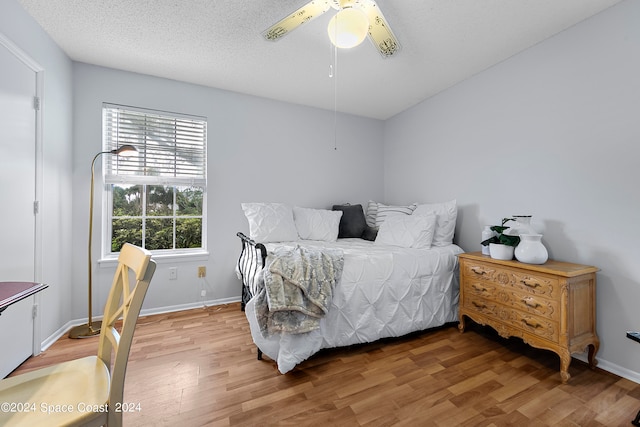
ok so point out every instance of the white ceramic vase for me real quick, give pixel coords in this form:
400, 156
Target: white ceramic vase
486, 234
521, 225
499, 251
530, 250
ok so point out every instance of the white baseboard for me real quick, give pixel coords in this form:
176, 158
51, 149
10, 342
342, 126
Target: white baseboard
189, 306
146, 312
605, 365
60, 332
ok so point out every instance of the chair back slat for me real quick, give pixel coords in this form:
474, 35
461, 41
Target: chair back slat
124, 302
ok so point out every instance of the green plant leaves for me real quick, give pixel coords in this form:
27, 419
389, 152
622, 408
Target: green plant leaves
502, 238
509, 240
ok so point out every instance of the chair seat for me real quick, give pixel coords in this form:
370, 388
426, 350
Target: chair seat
68, 393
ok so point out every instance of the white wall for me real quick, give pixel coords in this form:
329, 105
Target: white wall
258, 150
553, 132
55, 206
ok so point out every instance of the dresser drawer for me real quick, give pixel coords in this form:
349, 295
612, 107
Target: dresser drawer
536, 284
512, 297
537, 325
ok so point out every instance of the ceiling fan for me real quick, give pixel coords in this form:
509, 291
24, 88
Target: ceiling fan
354, 20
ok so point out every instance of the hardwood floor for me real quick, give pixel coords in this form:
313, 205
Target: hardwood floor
199, 367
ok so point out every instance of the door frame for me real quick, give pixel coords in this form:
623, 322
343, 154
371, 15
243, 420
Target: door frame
27, 60
34, 66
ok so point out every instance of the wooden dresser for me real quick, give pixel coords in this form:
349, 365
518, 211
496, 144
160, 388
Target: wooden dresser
550, 306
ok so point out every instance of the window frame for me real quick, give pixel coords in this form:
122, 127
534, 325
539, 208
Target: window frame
107, 205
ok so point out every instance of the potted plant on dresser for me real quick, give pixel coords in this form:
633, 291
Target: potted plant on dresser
501, 246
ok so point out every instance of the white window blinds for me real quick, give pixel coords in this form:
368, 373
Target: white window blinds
171, 148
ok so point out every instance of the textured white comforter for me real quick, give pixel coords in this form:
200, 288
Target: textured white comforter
384, 292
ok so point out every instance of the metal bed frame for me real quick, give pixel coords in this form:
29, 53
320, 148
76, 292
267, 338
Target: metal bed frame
252, 259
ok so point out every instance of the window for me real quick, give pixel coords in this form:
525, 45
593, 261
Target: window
155, 199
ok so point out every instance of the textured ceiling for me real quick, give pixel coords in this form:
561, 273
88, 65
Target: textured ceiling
218, 43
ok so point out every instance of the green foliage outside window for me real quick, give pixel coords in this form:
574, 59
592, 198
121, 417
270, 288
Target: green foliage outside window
171, 218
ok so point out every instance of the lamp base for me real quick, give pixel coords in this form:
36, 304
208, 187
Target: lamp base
86, 330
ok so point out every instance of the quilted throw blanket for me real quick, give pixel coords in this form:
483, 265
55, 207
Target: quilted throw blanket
298, 287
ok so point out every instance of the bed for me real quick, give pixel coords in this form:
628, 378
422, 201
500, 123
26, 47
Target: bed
400, 279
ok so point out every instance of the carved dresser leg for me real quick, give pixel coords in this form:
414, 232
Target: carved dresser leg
593, 349
565, 360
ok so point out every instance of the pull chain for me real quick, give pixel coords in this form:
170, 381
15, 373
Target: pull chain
335, 101
333, 73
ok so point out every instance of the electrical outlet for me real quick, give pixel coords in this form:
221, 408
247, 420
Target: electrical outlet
203, 293
173, 273
202, 271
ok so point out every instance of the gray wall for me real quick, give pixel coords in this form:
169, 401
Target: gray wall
258, 151
55, 206
552, 132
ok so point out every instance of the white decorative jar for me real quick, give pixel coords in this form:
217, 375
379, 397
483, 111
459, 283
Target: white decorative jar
521, 225
499, 251
530, 250
486, 234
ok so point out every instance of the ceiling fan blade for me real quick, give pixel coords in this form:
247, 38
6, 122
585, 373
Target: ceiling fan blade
306, 13
380, 33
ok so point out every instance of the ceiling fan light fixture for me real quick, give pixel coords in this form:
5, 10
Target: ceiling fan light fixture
348, 28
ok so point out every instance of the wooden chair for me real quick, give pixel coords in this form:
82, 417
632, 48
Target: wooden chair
86, 391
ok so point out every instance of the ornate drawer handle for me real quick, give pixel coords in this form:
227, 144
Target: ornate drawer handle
478, 305
478, 270
535, 326
529, 284
528, 303
479, 288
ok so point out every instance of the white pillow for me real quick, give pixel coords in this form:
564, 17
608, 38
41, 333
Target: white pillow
385, 211
270, 222
372, 212
317, 224
447, 213
407, 231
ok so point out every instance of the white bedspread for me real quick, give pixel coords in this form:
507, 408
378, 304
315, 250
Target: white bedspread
384, 292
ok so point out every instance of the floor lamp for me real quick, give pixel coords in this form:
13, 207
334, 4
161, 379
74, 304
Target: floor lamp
92, 328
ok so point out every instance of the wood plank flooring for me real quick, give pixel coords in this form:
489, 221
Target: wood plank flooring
199, 368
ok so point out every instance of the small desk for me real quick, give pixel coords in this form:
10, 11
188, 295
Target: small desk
12, 292
17, 323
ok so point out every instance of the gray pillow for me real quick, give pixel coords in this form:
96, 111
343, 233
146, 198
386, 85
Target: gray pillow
370, 233
353, 222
